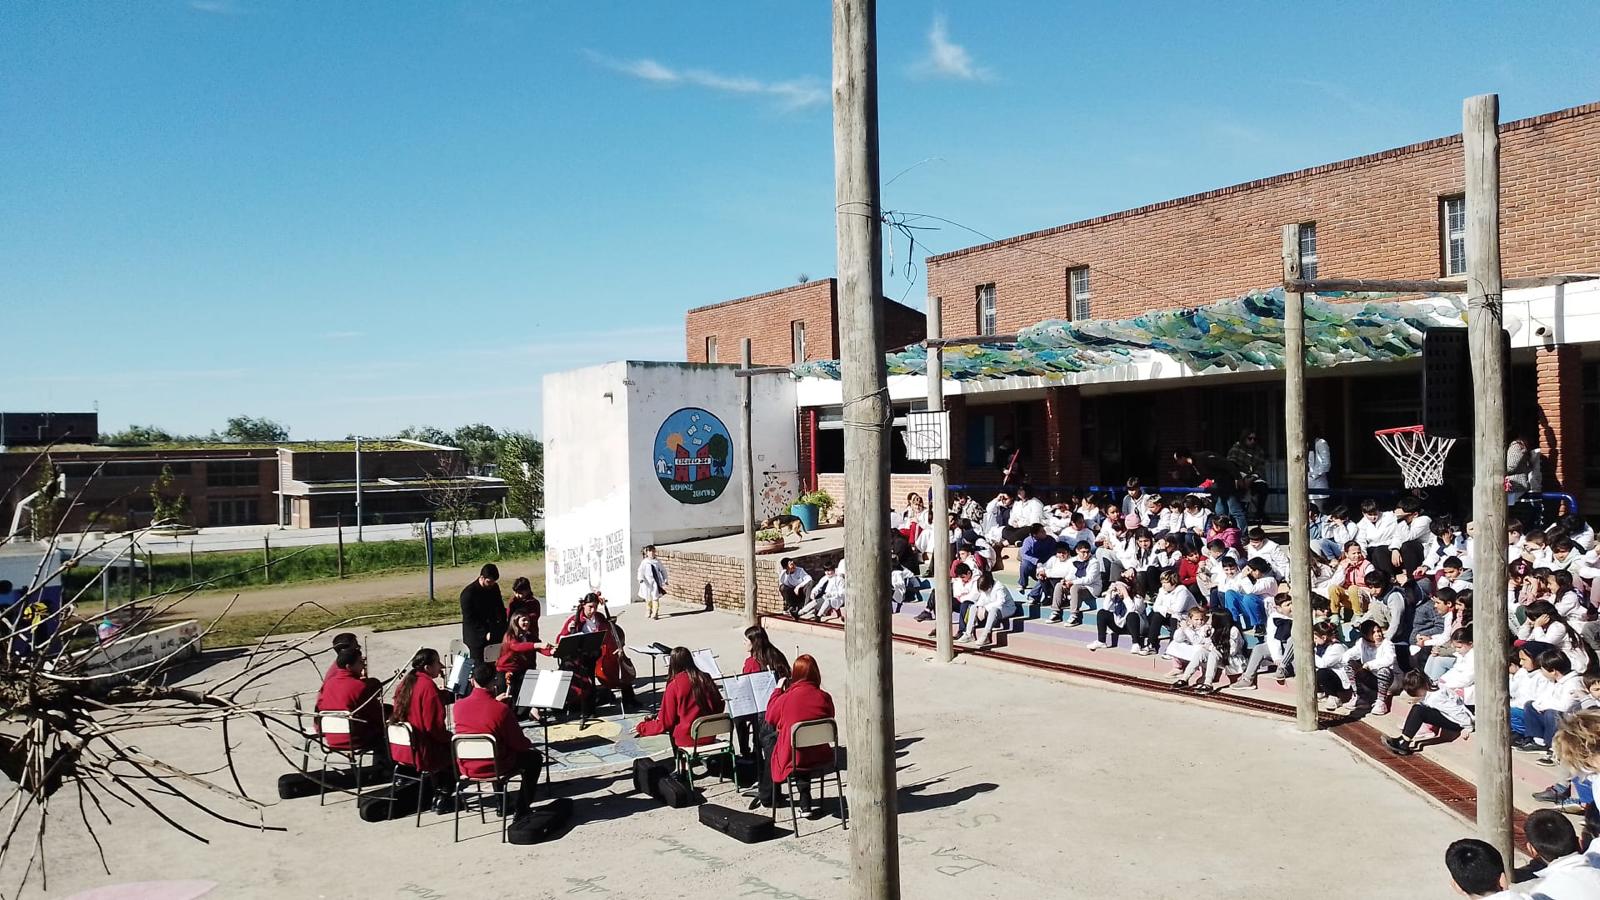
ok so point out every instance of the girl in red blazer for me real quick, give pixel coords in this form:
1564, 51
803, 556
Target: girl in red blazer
802, 701
418, 702
690, 694
519, 652
763, 658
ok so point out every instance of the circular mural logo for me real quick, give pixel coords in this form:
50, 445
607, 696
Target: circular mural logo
693, 454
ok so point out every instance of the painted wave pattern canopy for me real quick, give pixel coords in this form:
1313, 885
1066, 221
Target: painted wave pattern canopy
1243, 333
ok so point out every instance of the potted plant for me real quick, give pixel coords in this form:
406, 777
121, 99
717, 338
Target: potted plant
812, 508
770, 540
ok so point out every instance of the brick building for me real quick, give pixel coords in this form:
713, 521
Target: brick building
300, 484
786, 326
1393, 214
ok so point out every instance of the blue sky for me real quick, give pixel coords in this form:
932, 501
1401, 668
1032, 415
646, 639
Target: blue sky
353, 217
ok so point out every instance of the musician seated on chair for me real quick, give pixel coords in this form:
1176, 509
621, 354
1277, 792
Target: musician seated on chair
595, 677
690, 694
802, 699
348, 690
482, 712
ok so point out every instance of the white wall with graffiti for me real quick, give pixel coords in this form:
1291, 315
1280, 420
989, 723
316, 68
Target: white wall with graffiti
641, 453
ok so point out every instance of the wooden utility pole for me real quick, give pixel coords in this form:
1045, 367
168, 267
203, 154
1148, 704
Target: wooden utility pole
869, 674
1294, 435
939, 487
1480, 124
747, 489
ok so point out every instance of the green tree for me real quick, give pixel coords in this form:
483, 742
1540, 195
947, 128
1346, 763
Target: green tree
49, 505
427, 434
252, 430
520, 461
479, 443
168, 503
717, 448
139, 434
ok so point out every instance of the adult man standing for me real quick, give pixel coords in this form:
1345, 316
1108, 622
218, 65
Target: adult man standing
483, 612
1217, 475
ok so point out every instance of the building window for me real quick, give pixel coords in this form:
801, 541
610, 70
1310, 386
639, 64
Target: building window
711, 349
1308, 251
233, 511
1453, 234
987, 315
1078, 293
797, 340
231, 473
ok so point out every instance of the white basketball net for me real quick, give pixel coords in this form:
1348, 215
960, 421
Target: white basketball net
1420, 455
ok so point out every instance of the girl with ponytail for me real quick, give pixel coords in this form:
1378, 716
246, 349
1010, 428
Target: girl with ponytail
419, 702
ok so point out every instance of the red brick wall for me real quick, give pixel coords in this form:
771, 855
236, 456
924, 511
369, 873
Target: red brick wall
1560, 427
768, 319
1063, 437
691, 573
1376, 216
899, 487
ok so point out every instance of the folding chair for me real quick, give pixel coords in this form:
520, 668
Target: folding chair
339, 725
402, 735
803, 735
465, 747
717, 726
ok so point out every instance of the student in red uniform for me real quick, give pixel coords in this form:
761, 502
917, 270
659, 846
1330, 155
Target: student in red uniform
802, 700
340, 641
349, 690
611, 669
523, 600
519, 652
481, 712
763, 658
690, 694
420, 703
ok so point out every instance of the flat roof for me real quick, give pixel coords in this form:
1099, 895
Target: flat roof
376, 446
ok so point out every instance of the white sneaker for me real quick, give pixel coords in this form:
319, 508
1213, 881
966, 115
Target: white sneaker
1095, 645
1244, 686
1380, 708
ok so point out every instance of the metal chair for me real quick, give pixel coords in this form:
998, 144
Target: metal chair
339, 725
718, 726
803, 735
402, 735
478, 747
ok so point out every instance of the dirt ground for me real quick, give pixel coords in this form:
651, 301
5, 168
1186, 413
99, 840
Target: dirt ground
1011, 785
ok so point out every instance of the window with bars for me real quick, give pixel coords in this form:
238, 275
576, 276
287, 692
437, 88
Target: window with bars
1078, 292
1308, 250
1453, 235
988, 317
711, 349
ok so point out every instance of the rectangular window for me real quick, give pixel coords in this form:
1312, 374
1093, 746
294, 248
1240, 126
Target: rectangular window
711, 349
987, 315
797, 340
1453, 235
233, 473
233, 511
1308, 250
1078, 293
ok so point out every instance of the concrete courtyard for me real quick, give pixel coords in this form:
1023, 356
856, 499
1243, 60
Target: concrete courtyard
1011, 785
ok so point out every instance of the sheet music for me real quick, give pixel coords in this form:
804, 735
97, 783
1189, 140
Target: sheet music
460, 674
707, 661
548, 691
648, 650
762, 685
749, 694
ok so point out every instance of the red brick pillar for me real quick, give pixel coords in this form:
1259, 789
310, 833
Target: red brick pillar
1063, 436
1560, 427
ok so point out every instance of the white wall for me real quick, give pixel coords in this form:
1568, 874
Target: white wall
586, 507
604, 499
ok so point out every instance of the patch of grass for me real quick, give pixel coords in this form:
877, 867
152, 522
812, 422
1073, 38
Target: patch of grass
243, 568
400, 612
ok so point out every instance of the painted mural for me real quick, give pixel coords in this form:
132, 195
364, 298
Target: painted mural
1240, 334
693, 456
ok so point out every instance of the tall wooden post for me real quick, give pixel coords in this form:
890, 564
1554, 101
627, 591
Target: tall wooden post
869, 676
747, 488
1294, 435
939, 487
1480, 122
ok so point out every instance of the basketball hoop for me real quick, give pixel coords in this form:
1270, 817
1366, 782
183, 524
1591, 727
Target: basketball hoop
927, 435
1421, 456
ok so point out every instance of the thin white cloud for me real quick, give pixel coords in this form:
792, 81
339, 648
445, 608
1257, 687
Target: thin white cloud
948, 59
796, 93
217, 7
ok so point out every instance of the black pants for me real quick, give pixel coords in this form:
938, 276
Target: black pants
1426, 715
1148, 582
768, 739
793, 598
528, 764
1013, 535
1152, 629
475, 641
1105, 624
1328, 683
1411, 555
748, 733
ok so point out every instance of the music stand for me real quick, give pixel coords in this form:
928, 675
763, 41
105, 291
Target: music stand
655, 652
548, 691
